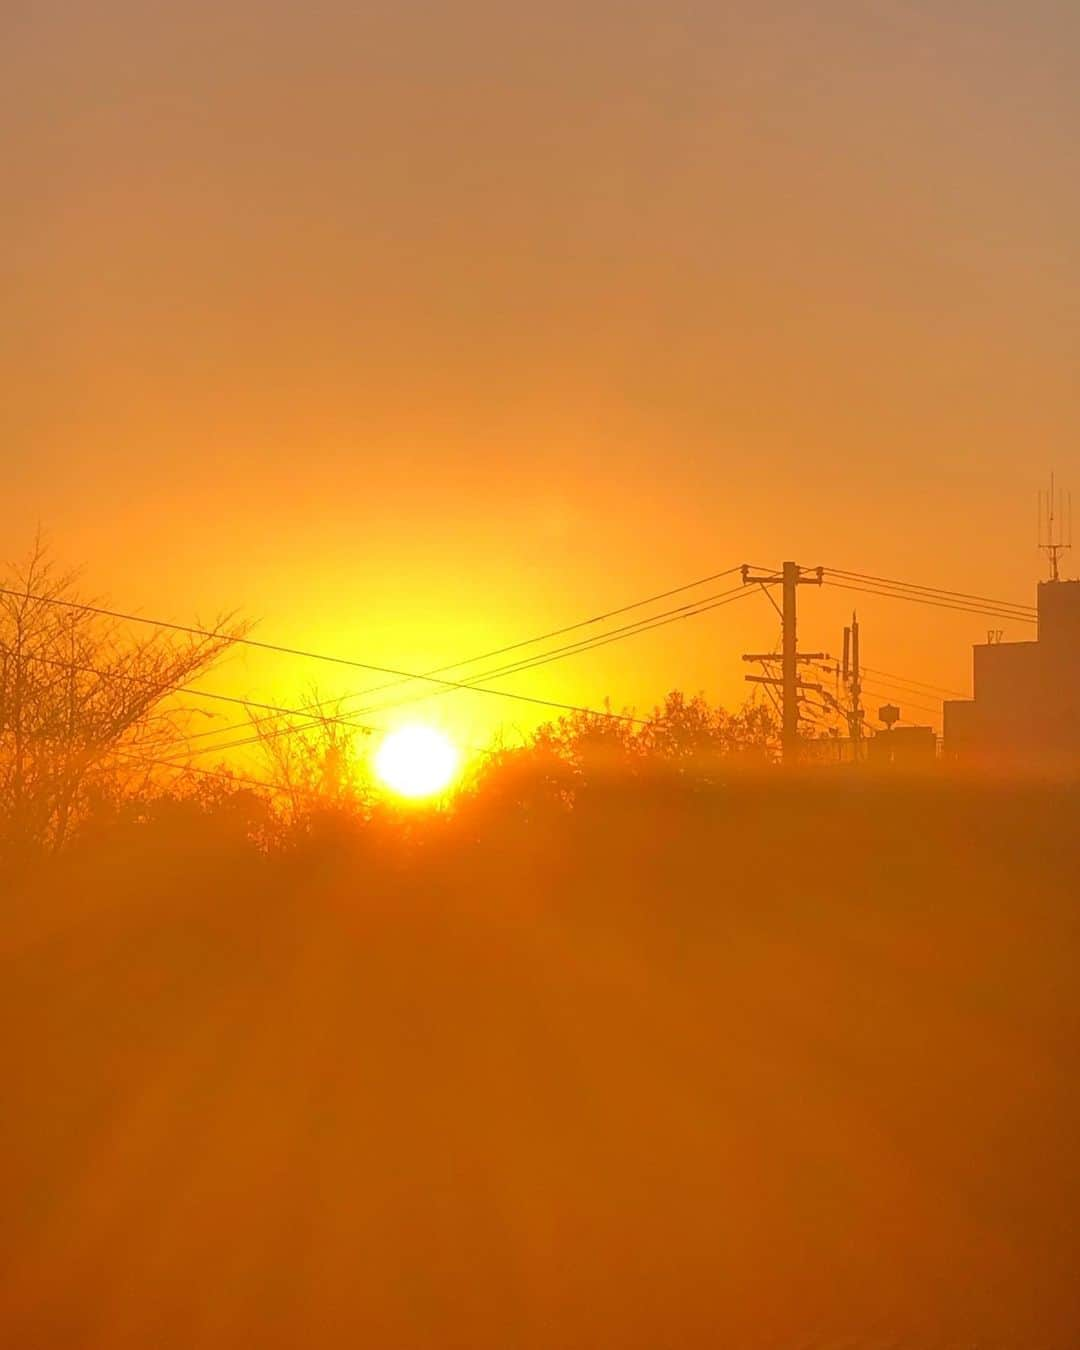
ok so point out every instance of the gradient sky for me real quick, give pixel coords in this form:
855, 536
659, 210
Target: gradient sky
410, 329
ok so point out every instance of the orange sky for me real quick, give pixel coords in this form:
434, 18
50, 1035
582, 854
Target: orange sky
410, 329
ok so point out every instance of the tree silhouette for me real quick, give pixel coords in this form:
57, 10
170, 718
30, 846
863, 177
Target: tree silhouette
84, 705
696, 737
313, 761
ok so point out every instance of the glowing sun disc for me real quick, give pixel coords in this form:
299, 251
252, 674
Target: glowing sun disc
417, 762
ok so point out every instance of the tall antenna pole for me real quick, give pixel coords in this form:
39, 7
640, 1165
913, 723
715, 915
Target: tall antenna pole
1055, 527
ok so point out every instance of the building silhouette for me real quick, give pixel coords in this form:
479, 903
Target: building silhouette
1025, 712
911, 748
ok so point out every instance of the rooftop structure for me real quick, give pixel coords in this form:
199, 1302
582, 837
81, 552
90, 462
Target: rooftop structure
1026, 706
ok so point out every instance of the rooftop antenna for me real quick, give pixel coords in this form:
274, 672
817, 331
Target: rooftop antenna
1055, 526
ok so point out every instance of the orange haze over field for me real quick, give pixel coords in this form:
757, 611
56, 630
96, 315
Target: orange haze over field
412, 330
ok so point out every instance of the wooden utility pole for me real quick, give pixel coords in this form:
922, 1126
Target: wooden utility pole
790, 665
790, 578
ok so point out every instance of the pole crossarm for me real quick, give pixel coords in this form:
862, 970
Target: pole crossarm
762, 657
804, 576
777, 681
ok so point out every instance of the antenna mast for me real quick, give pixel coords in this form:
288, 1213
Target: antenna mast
1055, 526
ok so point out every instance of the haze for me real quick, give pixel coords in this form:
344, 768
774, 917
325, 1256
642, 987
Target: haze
411, 329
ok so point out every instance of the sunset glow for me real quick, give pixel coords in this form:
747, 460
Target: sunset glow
540, 675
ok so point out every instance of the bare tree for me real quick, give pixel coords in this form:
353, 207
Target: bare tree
84, 703
313, 763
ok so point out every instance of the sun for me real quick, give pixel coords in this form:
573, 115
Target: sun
417, 762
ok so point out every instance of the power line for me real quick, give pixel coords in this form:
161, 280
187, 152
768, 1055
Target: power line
927, 600
885, 688
567, 628
559, 654
591, 644
917, 684
880, 686
257, 738
281, 649
260, 737
888, 686
932, 590
224, 774
273, 708
881, 691
136, 757
510, 647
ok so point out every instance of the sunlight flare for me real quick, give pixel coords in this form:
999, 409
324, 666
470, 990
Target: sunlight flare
417, 762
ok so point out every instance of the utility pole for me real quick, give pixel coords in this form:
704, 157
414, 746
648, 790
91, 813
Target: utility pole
855, 683
790, 664
849, 677
790, 578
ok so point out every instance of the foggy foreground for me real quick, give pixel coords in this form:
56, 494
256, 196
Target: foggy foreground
761, 1066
